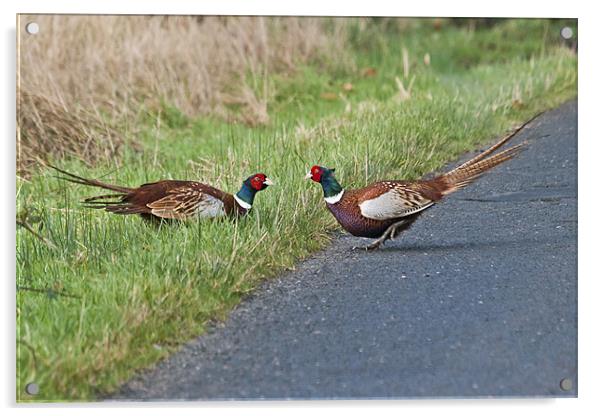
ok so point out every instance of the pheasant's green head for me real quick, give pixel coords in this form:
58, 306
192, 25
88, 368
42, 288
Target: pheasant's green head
250, 187
319, 173
325, 177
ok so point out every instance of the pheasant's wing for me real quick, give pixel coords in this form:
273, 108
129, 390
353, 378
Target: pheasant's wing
185, 202
396, 200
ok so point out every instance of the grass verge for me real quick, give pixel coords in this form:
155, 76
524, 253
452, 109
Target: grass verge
100, 296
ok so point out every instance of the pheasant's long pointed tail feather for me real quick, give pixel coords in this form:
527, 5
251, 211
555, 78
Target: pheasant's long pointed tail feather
460, 177
100, 199
100, 204
125, 209
70, 177
496, 146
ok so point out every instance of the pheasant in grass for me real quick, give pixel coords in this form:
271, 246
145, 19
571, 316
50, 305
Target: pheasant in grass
383, 209
173, 200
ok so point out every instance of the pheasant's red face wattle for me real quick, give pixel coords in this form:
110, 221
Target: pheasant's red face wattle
259, 182
316, 173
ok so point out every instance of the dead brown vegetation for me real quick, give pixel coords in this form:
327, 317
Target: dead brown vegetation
81, 76
49, 127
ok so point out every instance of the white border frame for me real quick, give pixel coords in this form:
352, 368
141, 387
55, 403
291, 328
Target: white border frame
590, 150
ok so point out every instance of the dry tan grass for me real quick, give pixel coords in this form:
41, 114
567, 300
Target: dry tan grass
48, 127
80, 74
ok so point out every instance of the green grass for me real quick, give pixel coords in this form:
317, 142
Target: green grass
115, 295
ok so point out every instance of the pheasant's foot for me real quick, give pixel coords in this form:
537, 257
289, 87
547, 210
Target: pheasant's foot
361, 248
375, 245
388, 234
380, 241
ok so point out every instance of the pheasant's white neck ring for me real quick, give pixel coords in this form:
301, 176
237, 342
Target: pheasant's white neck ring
334, 199
242, 203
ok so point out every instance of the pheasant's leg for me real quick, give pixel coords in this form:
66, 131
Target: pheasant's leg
394, 230
376, 243
386, 235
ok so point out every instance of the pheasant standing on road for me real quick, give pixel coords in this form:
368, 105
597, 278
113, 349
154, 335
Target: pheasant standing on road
171, 199
386, 208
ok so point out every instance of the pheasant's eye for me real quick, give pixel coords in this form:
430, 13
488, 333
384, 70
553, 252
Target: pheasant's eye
316, 170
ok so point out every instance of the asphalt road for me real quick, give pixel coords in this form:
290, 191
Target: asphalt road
478, 298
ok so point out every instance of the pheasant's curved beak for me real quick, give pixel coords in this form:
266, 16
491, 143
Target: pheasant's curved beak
308, 176
268, 182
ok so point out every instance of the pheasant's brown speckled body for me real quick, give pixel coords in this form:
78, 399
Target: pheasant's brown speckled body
173, 199
176, 200
348, 212
385, 208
